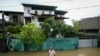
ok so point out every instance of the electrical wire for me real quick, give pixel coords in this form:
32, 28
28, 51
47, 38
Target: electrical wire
38, 3
58, 1
83, 7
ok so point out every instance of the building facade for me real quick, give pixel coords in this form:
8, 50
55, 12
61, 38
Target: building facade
38, 13
35, 14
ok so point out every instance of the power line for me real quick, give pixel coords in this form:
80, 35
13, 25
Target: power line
55, 1
59, 1
63, 9
83, 7
38, 3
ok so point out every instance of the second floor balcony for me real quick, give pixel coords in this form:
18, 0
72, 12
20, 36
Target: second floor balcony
42, 12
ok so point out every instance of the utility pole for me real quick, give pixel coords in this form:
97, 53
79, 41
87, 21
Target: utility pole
3, 27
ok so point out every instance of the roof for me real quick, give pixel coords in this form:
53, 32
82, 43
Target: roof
41, 7
90, 23
60, 12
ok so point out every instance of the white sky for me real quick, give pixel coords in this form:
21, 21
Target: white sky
78, 14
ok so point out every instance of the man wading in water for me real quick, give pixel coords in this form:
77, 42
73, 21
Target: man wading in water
52, 52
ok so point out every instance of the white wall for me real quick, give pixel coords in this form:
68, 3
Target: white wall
35, 20
26, 9
87, 43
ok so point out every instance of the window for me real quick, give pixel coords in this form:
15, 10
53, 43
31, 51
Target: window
46, 12
15, 19
41, 19
27, 19
28, 11
52, 13
39, 12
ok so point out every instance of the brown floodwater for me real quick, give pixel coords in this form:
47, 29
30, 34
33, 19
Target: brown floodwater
78, 52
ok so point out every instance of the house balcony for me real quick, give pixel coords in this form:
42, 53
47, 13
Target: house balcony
60, 17
42, 12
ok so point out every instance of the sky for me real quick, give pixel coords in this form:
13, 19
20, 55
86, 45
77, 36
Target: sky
67, 5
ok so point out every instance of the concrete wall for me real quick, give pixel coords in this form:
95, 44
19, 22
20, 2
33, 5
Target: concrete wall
88, 43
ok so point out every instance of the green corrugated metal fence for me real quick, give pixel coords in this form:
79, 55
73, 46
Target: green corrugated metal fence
98, 42
61, 43
15, 45
56, 43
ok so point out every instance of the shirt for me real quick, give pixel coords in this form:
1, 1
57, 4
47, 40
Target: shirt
52, 53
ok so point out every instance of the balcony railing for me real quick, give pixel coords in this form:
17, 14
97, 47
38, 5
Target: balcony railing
32, 11
42, 12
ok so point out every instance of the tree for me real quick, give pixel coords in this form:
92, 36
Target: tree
47, 25
60, 29
32, 34
14, 29
71, 32
77, 25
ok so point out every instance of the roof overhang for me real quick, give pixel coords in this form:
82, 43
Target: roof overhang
60, 12
41, 7
12, 12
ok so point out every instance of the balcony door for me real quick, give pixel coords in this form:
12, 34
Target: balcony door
27, 20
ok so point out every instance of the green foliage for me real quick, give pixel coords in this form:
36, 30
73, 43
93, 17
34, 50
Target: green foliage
30, 33
71, 32
9, 23
59, 27
82, 34
47, 25
14, 29
77, 25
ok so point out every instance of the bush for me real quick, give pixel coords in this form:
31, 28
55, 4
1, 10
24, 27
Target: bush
82, 34
14, 29
32, 34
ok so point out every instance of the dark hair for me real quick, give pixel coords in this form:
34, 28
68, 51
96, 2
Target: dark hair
51, 48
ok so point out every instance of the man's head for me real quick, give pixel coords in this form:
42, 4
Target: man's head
51, 48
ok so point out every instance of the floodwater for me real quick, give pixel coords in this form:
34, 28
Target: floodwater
78, 52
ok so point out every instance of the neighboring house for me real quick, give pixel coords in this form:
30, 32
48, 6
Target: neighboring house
90, 25
35, 14
14, 17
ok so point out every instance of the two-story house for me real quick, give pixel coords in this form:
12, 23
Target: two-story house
14, 17
35, 13
38, 13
